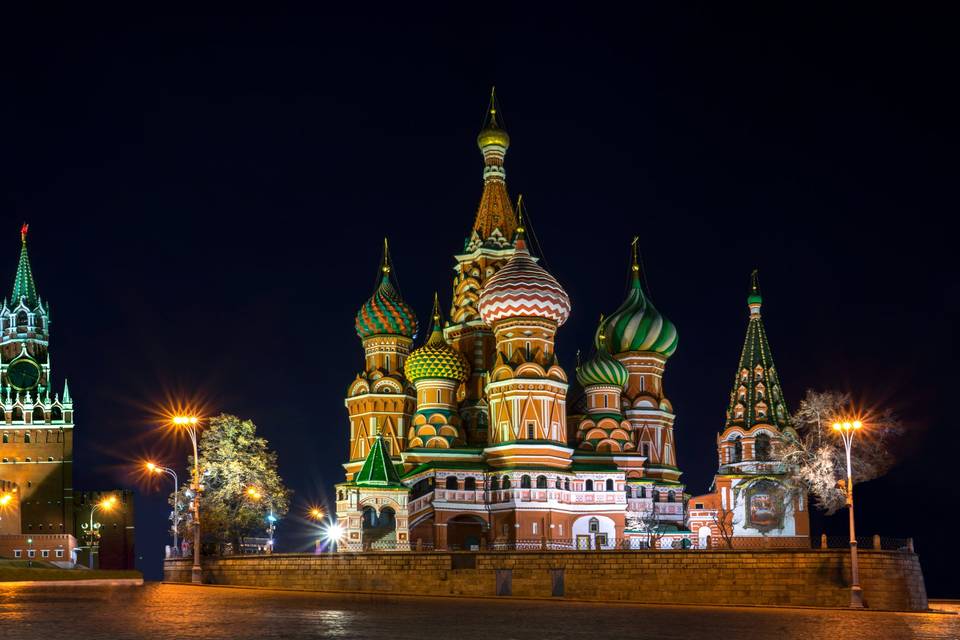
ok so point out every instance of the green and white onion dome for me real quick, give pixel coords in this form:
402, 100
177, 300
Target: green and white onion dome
385, 313
436, 358
638, 326
602, 368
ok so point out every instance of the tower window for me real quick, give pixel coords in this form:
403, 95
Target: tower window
609, 484
566, 484
606, 400
470, 484
526, 346
387, 360
737, 450
761, 446
38, 414
506, 482
541, 482
494, 483
531, 431
594, 526
452, 483
525, 482
6, 438
589, 485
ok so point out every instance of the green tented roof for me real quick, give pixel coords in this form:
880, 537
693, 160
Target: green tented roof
378, 469
23, 285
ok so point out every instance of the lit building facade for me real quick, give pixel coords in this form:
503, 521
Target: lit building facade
470, 440
752, 502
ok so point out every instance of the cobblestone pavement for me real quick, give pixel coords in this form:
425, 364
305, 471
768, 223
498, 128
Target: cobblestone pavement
158, 612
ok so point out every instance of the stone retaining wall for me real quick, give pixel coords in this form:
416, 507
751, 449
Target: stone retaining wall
890, 580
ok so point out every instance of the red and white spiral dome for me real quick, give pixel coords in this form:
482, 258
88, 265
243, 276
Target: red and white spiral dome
523, 289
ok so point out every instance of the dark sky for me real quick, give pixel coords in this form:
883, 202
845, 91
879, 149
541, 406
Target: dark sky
207, 197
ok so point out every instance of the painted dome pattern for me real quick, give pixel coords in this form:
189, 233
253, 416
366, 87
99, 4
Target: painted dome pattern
602, 368
638, 326
436, 358
385, 313
523, 289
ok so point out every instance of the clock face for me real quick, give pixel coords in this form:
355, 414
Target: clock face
23, 374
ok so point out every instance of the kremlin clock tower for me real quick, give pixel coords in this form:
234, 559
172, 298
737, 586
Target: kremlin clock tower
36, 451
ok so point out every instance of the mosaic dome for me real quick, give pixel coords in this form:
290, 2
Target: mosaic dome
436, 358
602, 368
385, 313
523, 289
638, 326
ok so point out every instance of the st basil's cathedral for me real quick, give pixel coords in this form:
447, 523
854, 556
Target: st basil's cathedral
468, 441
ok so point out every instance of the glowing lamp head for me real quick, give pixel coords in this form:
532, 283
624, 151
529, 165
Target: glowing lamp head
253, 493
271, 518
857, 424
333, 532
5, 499
151, 467
185, 420
316, 513
107, 503
837, 426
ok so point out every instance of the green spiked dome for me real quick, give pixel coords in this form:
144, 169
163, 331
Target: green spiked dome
385, 313
602, 368
378, 469
436, 359
754, 299
637, 325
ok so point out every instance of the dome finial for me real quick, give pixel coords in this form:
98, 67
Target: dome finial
754, 299
493, 105
437, 318
386, 258
23, 232
635, 263
520, 229
601, 335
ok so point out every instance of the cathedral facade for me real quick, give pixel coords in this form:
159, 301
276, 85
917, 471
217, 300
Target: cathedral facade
478, 438
752, 501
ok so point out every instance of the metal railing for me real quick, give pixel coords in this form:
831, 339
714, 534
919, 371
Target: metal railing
866, 543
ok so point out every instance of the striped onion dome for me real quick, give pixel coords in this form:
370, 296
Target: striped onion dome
385, 313
436, 358
638, 326
523, 289
602, 368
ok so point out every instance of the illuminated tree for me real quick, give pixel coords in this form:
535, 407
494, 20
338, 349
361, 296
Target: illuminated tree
815, 457
233, 458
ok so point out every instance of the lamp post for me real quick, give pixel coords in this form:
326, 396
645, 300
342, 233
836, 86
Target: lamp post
316, 514
154, 468
106, 504
189, 424
254, 494
846, 430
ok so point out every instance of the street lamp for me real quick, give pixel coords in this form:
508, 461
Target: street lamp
316, 513
847, 429
190, 424
106, 504
254, 494
154, 468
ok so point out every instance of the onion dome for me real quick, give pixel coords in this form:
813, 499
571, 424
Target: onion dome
754, 299
523, 289
436, 358
637, 325
385, 313
602, 368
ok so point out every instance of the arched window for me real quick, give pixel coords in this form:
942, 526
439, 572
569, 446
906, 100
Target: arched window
17, 414
525, 482
656, 496
452, 483
589, 485
494, 483
742, 394
6, 438
559, 484
541, 482
26, 438
671, 496
737, 450
609, 484
566, 484
22, 319
56, 414
38, 415
470, 484
39, 322
29, 459
738, 412
594, 525
761, 447
340, 495
506, 482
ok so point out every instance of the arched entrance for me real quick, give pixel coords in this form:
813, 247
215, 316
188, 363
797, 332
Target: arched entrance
703, 540
464, 532
379, 530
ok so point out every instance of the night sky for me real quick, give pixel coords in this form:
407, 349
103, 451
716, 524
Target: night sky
207, 198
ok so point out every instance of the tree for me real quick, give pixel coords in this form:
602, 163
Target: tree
815, 457
647, 522
234, 458
725, 520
